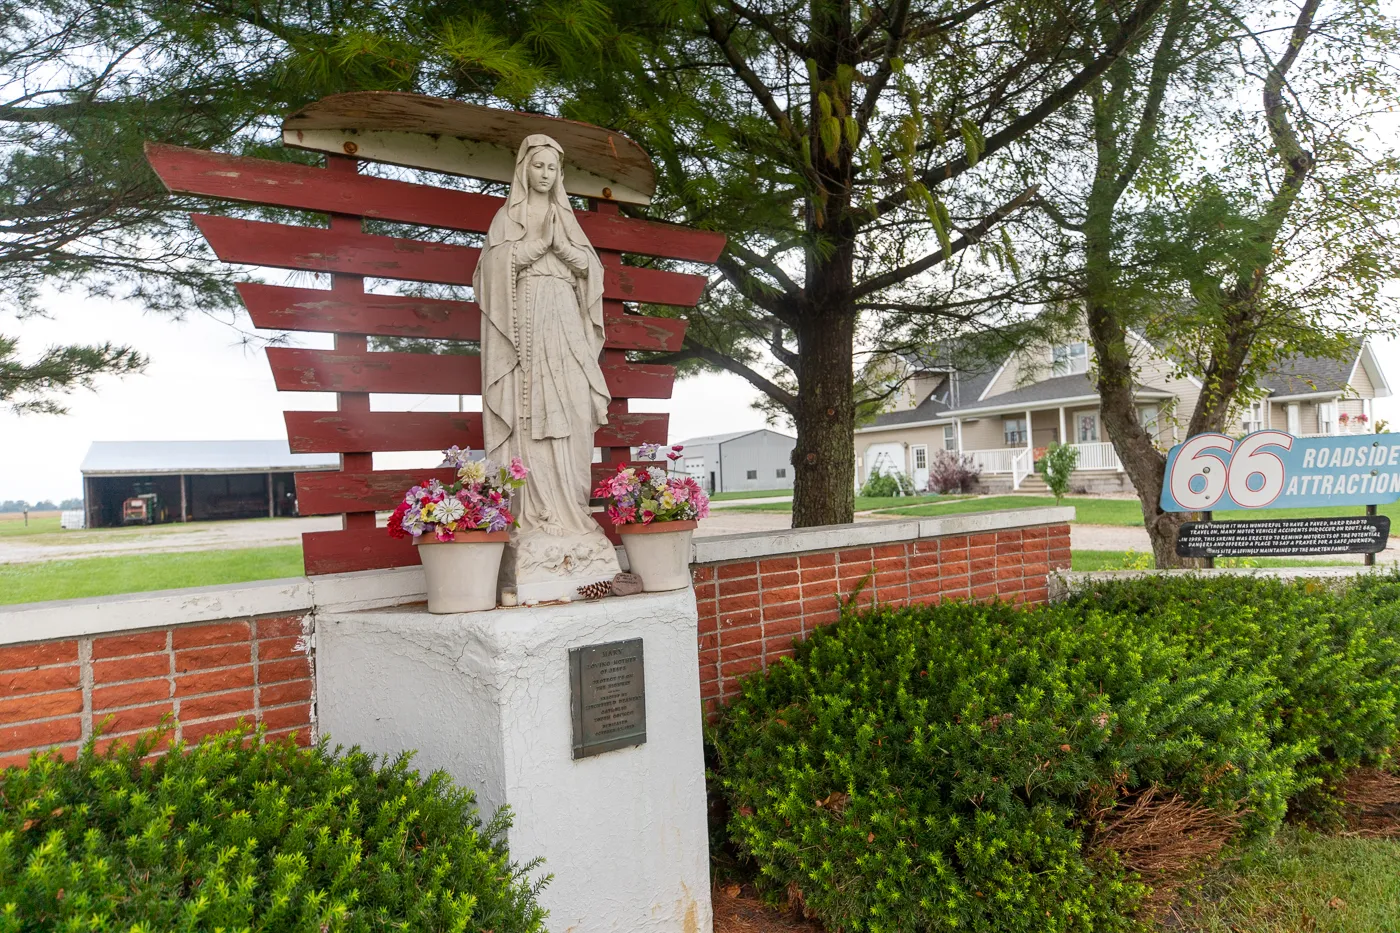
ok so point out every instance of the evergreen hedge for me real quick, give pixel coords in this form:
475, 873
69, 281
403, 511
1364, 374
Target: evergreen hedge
944, 767
236, 836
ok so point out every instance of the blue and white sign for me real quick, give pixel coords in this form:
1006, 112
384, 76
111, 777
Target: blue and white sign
1275, 470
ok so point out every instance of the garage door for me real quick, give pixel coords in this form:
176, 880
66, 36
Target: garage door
889, 458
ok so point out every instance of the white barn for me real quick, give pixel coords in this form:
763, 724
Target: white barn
740, 461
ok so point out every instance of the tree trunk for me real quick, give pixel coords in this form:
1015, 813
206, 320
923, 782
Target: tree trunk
824, 459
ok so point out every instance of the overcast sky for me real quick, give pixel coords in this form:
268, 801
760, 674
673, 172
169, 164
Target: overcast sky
202, 385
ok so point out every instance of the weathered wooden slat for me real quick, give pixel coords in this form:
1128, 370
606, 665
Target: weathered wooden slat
285, 184
276, 307
300, 370
318, 249
327, 432
380, 490
348, 551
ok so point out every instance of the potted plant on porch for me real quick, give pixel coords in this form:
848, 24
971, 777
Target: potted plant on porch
655, 512
461, 530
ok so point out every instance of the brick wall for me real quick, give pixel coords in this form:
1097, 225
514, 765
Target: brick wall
751, 610
208, 676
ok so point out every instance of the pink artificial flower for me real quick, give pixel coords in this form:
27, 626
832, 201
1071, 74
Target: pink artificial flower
647, 516
518, 469
443, 534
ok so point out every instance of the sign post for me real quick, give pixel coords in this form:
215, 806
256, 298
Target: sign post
1274, 470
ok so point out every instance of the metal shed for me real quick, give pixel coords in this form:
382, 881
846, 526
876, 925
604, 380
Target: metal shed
195, 480
741, 461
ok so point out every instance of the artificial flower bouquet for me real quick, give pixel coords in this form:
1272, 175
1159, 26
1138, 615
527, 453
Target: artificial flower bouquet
646, 495
478, 501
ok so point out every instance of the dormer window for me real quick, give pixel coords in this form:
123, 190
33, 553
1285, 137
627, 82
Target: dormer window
1071, 358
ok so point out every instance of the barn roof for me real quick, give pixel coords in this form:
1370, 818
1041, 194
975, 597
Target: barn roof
142, 458
723, 438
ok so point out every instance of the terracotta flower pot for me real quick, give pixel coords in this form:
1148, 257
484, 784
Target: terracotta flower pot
462, 572
659, 553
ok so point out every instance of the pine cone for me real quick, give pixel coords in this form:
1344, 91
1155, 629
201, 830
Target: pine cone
596, 590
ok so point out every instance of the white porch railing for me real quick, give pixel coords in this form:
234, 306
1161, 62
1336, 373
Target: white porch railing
1022, 465
996, 460
1098, 456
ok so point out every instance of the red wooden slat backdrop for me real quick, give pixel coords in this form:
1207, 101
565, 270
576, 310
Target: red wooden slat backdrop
346, 311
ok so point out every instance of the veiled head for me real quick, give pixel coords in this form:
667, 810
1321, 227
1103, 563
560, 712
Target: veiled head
542, 169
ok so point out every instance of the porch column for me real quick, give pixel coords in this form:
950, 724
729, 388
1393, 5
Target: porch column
1030, 434
1064, 438
184, 498
958, 423
271, 499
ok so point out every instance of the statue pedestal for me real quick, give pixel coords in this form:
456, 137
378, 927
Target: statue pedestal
542, 567
486, 696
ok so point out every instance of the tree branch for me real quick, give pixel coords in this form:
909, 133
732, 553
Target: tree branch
764, 22
690, 350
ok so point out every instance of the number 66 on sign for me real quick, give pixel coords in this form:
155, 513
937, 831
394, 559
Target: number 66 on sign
1274, 469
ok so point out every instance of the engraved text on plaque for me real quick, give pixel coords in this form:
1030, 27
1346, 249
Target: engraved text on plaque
608, 695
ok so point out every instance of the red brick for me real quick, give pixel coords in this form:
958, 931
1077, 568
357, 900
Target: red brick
927, 545
782, 611
960, 593
983, 540
777, 653
41, 706
707, 659
887, 551
41, 734
1038, 594
708, 641
854, 556
783, 578
984, 552
921, 591
196, 731
892, 565
818, 574
706, 591
784, 627
953, 543
739, 636
983, 577
1059, 558
709, 622
776, 564
709, 689
270, 672
199, 659
1009, 536
933, 559
142, 691
40, 680
142, 667
130, 739
984, 591
741, 667
1038, 533
735, 652
219, 633
1036, 570
822, 559
850, 572
288, 717
739, 585
700, 573
217, 704
19, 657
230, 678
781, 594
731, 620
817, 617
954, 568
1009, 573
121, 646
733, 604
301, 736
274, 649
132, 718
66, 752
280, 627
893, 594
988, 565
743, 568
818, 588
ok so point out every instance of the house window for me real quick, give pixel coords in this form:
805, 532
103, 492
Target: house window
1254, 418
782, 473
921, 458
1088, 427
1148, 416
751, 474
950, 437
1014, 430
1071, 358
1327, 417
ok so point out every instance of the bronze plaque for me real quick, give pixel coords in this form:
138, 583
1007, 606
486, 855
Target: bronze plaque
608, 696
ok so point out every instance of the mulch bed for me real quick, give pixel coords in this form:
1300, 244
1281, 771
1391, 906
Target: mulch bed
738, 910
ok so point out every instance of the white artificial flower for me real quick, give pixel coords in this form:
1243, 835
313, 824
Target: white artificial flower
656, 475
472, 472
449, 510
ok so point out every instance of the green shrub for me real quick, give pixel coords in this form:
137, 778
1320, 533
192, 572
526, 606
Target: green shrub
235, 836
930, 768
883, 485
1057, 466
944, 768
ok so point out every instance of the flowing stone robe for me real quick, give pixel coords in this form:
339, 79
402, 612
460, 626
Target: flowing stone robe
543, 392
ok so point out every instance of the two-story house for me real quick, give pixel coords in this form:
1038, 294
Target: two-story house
1004, 416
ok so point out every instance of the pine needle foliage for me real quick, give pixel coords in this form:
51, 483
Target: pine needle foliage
236, 835
942, 768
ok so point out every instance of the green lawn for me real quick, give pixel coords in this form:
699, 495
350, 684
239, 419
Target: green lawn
13, 527
1142, 560
1125, 512
755, 494
1304, 882
104, 576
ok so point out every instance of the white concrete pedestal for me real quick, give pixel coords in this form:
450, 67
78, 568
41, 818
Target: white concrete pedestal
485, 697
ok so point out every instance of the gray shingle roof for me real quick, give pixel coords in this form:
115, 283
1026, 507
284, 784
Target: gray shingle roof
1049, 390
1300, 375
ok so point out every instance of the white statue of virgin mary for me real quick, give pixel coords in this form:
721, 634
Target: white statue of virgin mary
540, 287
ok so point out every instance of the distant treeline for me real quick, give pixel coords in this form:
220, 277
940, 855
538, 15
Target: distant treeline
19, 505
